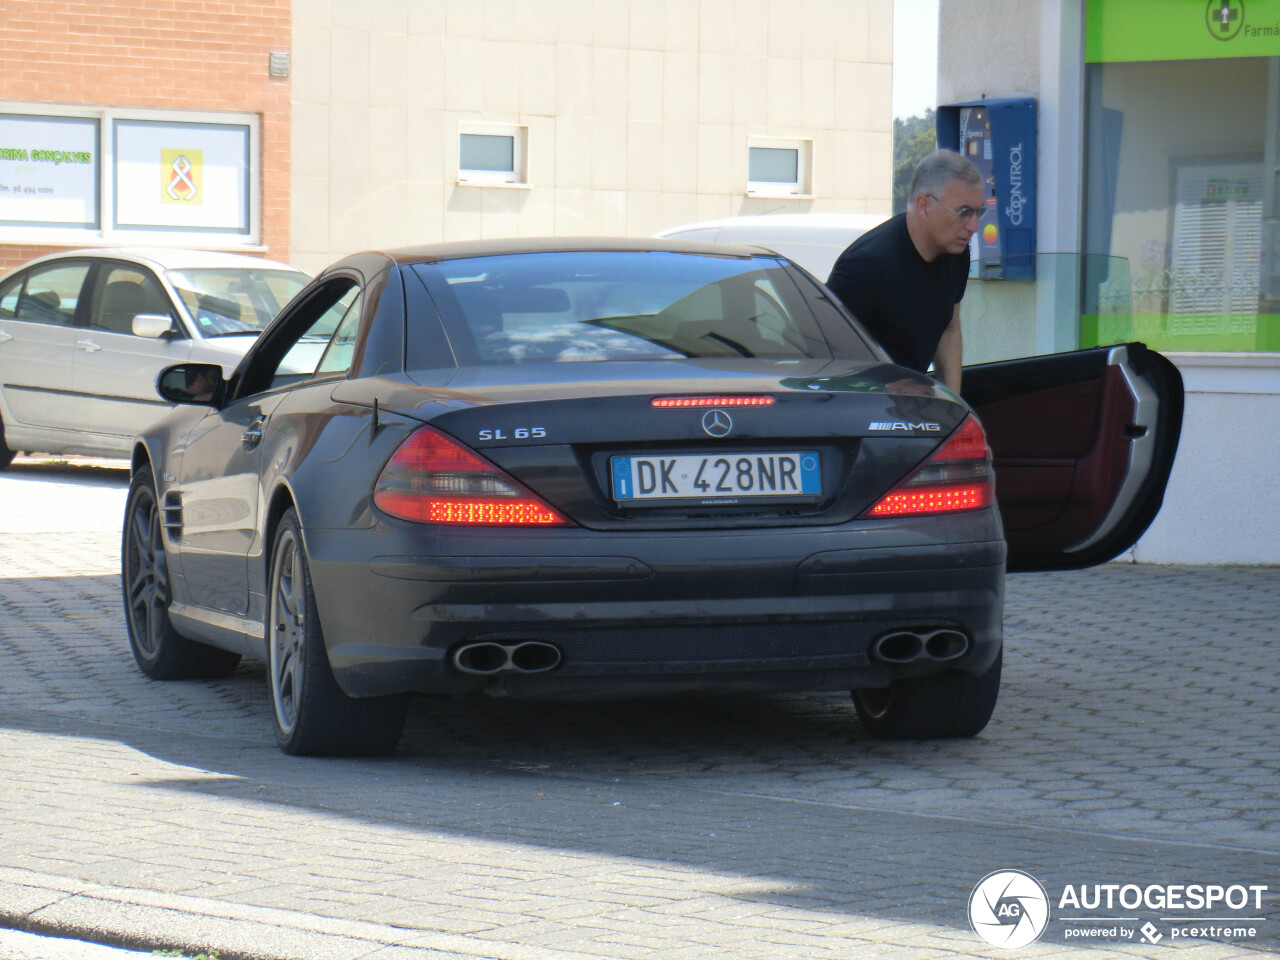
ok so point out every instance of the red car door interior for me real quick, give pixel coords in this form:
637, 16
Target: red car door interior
1064, 431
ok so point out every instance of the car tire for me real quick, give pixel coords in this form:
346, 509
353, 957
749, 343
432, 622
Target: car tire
6, 455
946, 705
160, 651
311, 714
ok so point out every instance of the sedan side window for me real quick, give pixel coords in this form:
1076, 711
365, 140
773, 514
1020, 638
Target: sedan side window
9, 298
50, 294
123, 293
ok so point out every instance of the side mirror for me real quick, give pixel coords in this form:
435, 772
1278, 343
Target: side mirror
192, 383
152, 325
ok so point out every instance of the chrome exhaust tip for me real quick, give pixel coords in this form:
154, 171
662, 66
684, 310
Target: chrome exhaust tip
480, 658
487, 657
911, 646
901, 646
535, 656
945, 645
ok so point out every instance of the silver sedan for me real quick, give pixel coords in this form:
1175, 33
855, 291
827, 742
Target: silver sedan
83, 335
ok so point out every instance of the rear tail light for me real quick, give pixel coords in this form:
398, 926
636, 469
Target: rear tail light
435, 479
956, 477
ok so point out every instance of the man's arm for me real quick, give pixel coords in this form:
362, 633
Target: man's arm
947, 361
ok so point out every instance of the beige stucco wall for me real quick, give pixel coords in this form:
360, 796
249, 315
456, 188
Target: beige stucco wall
988, 48
638, 112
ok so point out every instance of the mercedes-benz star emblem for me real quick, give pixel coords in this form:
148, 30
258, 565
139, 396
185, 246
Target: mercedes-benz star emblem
716, 423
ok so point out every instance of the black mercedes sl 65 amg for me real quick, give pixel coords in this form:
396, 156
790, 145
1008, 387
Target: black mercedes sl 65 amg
612, 468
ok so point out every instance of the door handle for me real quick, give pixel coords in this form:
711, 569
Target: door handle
5, 337
88, 346
253, 435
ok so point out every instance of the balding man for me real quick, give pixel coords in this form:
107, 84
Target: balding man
904, 279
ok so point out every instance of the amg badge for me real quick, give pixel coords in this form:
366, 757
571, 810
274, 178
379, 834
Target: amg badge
902, 425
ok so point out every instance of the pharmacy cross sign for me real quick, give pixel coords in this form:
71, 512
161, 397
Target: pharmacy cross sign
1224, 18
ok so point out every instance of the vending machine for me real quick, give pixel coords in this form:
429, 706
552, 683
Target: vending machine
999, 136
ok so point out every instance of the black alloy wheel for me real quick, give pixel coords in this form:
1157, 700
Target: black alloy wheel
160, 651
942, 706
311, 714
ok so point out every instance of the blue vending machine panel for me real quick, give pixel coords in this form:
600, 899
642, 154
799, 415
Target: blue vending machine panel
999, 136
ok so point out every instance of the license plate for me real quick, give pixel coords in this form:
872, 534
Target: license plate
717, 476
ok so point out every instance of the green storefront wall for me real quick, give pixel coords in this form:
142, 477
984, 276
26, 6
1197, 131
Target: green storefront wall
1144, 31
1122, 31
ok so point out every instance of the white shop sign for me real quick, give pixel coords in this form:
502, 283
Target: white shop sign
49, 170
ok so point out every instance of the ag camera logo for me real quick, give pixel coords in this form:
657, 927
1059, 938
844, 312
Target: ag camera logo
1009, 909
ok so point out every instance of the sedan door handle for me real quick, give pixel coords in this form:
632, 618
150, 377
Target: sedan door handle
88, 346
253, 436
5, 337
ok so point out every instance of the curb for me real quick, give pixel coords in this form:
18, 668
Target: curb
138, 919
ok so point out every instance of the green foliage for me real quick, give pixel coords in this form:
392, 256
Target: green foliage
913, 139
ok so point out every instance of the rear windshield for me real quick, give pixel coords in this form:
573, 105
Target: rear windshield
616, 305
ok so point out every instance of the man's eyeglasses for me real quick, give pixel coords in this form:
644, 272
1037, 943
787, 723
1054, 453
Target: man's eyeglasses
963, 214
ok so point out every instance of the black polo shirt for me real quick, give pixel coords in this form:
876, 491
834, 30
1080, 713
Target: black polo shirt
902, 301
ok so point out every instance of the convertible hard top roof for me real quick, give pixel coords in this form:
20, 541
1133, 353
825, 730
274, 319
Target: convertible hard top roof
433, 252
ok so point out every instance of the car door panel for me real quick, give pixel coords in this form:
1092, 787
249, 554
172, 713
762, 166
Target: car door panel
113, 370
219, 500
221, 488
116, 381
1082, 445
37, 334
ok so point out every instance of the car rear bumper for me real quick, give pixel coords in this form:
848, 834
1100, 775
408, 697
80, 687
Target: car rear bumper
790, 610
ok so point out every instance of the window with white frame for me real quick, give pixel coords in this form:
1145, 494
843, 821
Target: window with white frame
120, 175
779, 167
491, 154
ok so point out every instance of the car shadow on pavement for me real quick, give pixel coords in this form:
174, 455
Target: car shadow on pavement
775, 800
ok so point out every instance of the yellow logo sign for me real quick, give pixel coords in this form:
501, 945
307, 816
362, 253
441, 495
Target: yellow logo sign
182, 173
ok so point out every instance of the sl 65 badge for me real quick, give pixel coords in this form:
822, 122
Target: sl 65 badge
517, 433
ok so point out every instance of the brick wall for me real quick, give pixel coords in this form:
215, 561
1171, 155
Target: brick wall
209, 55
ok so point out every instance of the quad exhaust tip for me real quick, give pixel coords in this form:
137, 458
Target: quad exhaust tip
913, 646
488, 657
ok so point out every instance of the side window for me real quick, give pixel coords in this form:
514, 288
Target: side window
304, 356
9, 298
337, 356
50, 294
770, 317
124, 292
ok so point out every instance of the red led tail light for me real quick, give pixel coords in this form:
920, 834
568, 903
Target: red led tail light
956, 477
433, 478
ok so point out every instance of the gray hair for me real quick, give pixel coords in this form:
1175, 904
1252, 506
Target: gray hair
934, 172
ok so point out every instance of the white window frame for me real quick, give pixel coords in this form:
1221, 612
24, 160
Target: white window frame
106, 233
517, 177
802, 187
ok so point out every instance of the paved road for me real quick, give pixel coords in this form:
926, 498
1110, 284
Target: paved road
1137, 741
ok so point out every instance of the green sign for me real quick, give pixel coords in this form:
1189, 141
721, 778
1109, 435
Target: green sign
1129, 30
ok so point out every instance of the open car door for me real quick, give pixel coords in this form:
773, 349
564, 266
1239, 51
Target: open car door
1083, 444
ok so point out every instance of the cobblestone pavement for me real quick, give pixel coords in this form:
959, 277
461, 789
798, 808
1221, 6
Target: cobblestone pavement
1137, 741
